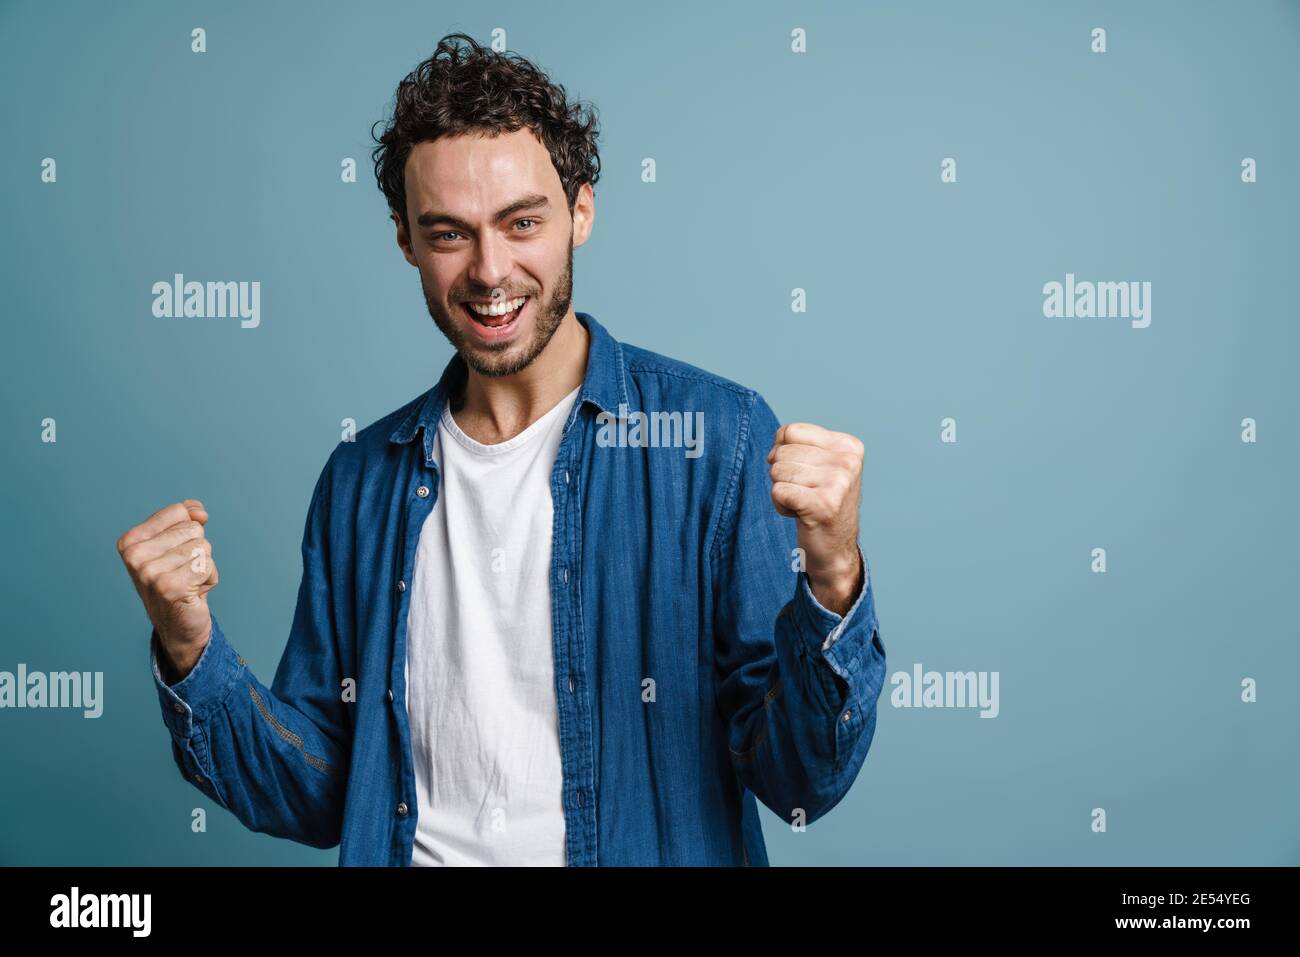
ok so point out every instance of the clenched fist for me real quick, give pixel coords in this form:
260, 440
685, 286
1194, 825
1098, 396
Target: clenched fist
817, 480
170, 563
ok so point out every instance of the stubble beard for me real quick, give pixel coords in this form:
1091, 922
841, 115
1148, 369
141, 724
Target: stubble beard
496, 359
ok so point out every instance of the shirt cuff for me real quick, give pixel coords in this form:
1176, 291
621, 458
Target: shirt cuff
824, 622
201, 691
850, 645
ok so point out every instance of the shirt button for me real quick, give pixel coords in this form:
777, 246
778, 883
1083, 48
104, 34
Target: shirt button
580, 802
847, 715
564, 575
198, 779
401, 585
566, 476
390, 694
178, 707
422, 491
570, 684
401, 809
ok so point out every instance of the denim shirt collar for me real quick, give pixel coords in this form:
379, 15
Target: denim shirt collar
603, 385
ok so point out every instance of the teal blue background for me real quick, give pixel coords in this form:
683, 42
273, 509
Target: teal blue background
775, 171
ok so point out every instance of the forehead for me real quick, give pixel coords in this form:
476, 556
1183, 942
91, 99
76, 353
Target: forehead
473, 173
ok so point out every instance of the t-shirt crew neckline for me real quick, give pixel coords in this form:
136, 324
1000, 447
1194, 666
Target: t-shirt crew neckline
523, 438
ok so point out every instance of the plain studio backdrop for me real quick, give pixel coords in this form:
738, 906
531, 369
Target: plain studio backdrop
775, 171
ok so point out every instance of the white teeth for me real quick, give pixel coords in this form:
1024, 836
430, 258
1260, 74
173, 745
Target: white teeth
497, 309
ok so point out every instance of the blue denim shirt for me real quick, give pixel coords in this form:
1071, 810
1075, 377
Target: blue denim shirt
694, 669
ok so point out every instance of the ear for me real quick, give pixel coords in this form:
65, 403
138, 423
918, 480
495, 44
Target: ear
403, 238
584, 214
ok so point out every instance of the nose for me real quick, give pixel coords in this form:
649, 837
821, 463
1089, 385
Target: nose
492, 262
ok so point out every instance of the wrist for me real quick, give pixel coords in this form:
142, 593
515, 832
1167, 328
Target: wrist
836, 587
176, 661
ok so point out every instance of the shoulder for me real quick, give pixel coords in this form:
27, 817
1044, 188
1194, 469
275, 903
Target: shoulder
642, 363
371, 448
657, 382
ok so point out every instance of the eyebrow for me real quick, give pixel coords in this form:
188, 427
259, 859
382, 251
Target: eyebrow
531, 201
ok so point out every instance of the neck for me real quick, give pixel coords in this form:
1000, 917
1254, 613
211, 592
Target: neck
497, 408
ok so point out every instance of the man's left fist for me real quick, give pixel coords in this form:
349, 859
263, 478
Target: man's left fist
817, 480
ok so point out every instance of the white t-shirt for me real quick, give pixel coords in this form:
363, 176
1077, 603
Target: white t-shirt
480, 670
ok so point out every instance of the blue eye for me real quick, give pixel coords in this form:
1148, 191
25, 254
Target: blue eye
440, 237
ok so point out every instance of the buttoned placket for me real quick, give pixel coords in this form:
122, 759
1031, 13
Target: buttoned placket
421, 496
568, 645
569, 648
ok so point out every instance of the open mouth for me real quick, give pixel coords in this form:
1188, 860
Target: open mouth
497, 322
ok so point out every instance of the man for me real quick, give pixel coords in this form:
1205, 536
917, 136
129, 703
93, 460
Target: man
579, 603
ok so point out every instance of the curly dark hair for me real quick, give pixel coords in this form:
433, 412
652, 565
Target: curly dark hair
459, 90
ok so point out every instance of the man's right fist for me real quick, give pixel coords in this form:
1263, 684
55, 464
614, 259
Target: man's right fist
170, 562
